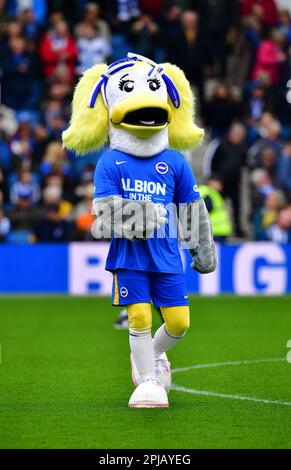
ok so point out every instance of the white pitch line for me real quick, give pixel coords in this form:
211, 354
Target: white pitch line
226, 395
229, 363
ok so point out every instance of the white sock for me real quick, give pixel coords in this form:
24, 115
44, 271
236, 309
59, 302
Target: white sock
164, 341
142, 349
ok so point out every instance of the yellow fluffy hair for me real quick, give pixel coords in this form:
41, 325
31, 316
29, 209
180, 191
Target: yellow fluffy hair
88, 129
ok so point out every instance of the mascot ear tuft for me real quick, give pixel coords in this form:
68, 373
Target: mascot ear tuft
88, 129
183, 133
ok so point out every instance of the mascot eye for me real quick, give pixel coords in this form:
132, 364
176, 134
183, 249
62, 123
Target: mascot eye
126, 85
154, 85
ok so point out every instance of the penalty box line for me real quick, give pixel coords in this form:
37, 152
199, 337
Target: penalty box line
209, 393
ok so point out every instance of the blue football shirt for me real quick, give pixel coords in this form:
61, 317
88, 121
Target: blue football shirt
162, 179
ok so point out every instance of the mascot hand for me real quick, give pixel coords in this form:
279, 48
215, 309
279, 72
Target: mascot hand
204, 259
202, 248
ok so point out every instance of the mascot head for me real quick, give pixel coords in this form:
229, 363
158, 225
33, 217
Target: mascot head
143, 108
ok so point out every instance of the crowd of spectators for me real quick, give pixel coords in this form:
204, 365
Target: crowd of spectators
237, 56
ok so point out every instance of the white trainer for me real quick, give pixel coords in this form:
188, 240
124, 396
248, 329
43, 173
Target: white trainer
149, 394
163, 371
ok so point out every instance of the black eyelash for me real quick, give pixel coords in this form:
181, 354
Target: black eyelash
122, 82
155, 80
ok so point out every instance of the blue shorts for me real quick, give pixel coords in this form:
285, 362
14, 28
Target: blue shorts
165, 290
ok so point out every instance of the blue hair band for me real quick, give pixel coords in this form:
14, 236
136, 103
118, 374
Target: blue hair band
172, 91
122, 61
102, 81
129, 62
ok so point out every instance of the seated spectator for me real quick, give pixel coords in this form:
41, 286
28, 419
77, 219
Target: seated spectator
5, 18
190, 50
271, 138
226, 161
280, 232
23, 144
87, 175
265, 122
284, 169
55, 16
267, 215
171, 18
221, 110
56, 160
14, 30
265, 10
211, 192
52, 228
144, 34
24, 214
20, 76
26, 188
258, 102
284, 24
5, 225
218, 18
85, 192
270, 58
262, 187
39, 8
92, 16
52, 194
58, 52
30, 27
92, 46
268, 161
60, 91
56, 125
8, 122
53, 108
83, 212
127, 11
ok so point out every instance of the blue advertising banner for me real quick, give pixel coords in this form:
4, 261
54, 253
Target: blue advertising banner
78, 269
34, 268
251, 268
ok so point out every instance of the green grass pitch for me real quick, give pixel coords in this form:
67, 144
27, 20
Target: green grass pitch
65, 378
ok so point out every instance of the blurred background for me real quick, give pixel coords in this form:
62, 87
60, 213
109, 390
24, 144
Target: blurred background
237, 56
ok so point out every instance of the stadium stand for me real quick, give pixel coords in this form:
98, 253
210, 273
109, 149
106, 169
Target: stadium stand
237, 55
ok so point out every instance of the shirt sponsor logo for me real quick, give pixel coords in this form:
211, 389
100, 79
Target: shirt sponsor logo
140, 186
162, 168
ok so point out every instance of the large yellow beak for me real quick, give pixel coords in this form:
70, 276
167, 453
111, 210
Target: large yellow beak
141, 114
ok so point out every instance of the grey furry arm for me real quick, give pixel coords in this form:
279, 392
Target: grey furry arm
199, 240
126, 218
